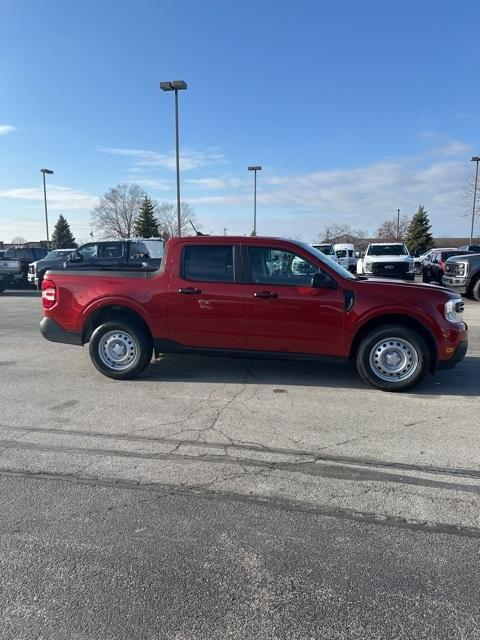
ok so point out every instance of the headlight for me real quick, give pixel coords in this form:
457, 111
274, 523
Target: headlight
454, 310
461, 268
411, 267
368, 267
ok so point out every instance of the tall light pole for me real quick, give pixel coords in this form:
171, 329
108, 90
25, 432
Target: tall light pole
398, 224
477, 160
176, 85
254, 168
48, 172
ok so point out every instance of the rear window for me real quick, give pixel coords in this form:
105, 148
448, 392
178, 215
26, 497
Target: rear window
212, 263
450, 254
21, 253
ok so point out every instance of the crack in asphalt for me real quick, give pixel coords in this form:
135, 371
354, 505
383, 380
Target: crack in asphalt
290, 505
316, 455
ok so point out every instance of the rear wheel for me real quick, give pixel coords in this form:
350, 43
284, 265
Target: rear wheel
425, 277
120, 350
2, 287
393, 358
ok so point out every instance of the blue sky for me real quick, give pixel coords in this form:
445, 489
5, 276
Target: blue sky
353, 109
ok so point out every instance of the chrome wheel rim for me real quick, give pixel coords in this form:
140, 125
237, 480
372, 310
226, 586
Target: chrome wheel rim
394, 359
118, 350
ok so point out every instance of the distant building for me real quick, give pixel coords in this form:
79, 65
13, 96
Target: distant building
42, 244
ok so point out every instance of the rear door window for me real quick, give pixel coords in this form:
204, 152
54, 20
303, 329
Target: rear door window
208, 263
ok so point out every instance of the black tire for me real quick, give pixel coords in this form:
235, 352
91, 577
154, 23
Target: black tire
121, 335
389, 341
2, 288
425, 278
476, 290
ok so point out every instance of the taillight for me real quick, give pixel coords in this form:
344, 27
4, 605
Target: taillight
49, 294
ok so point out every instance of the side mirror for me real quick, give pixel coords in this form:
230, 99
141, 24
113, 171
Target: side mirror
75, 256
321, 280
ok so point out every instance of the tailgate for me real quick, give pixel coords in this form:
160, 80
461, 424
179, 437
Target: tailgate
9, 266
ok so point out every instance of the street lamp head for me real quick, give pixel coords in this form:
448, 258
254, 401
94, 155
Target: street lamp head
255, 168
175, 85
476, 159
47, 171
179, 84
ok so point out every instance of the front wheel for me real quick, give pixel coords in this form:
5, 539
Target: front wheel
120, 350
393, 358
476, 290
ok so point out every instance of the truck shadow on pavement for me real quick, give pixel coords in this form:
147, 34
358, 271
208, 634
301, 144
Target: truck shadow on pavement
462, 381
21, 293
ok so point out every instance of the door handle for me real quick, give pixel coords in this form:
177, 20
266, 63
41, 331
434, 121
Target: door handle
190, 291
265, 294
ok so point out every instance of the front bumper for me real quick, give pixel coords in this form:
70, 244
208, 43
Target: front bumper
410, 277
458, 355
455, 282
51, 330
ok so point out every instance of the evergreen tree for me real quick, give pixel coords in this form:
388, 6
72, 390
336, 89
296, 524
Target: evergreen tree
146, 225
62, 237
418, 238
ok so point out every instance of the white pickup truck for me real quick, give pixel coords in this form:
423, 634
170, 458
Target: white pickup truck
8, 269
387, 260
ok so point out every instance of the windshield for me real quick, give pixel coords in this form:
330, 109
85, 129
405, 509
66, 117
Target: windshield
387, 250
326, 249
341, 253
57, 253
334, 266
155, 248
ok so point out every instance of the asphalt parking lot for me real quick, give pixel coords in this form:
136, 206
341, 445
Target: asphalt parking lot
293, 437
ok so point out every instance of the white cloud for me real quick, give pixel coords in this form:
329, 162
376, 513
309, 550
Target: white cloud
156, 184
58, 197
216, 183
6, 128
189, 159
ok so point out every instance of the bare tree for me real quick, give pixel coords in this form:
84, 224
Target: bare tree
338, 233
19, 240
167, 219
115, 214
388, 232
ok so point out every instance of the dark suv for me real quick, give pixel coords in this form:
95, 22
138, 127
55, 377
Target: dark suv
25, 255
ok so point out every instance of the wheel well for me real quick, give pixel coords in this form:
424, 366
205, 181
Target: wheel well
107, 314
405, 321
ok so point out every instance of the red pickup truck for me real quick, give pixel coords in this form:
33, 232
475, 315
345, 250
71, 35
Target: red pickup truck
255, 297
